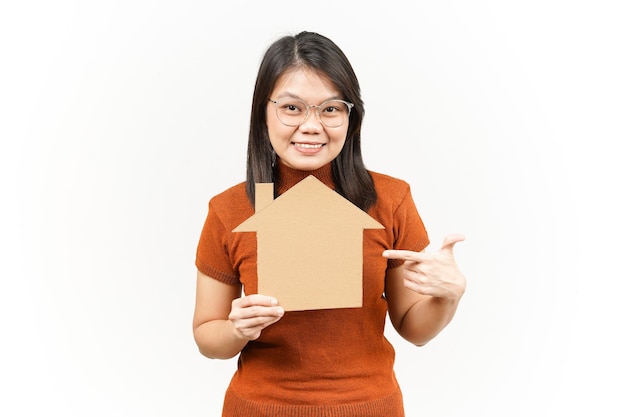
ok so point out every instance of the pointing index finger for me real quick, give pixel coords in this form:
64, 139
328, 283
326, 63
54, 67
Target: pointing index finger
405, 255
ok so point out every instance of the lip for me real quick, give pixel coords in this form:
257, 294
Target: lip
308, 148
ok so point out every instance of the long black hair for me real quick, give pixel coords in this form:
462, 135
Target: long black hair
317, 52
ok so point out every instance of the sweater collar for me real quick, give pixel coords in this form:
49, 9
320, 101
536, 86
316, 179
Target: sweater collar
288, 177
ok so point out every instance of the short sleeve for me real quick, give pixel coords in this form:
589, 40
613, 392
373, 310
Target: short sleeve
212, 256
408, 228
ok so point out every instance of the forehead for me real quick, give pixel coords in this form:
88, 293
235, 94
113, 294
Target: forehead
305, 83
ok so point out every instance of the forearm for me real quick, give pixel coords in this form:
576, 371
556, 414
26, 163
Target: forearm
426, 319
218, 339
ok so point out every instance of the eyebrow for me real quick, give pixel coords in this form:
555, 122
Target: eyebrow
288, 94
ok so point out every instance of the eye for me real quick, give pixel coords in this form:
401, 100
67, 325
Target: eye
333, 107
292, 106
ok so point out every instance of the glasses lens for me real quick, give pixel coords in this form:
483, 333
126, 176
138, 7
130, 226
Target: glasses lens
334, 113
291, 111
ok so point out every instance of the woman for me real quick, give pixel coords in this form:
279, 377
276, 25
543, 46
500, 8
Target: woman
306, 120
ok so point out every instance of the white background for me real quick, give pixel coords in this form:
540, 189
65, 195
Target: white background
120, 119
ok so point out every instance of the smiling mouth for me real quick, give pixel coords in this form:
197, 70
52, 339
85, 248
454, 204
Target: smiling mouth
309, 145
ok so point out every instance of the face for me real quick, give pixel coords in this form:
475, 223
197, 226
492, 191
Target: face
312, 144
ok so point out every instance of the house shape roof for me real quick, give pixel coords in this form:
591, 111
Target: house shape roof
309, 246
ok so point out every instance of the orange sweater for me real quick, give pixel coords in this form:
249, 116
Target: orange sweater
315, 363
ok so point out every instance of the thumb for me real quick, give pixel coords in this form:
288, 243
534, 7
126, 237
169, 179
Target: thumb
449, 241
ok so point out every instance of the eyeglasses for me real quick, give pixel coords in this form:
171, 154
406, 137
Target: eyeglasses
293, 112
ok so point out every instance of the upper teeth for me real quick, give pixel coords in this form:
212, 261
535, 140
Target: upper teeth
308, 145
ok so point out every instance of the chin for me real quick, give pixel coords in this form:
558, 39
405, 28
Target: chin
311, 166
305, 164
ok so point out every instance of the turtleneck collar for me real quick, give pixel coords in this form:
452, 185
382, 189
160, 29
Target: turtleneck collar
288, 177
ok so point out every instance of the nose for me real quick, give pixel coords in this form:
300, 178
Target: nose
312, 123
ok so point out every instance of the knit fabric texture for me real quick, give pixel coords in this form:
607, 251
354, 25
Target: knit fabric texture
314, 363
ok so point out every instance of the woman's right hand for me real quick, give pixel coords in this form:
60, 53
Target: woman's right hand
253, 313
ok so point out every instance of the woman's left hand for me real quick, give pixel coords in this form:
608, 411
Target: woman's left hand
434, 274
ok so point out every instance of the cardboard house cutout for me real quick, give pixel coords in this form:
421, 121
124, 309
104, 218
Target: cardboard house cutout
309, 246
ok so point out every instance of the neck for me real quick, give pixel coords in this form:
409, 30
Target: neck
288, 177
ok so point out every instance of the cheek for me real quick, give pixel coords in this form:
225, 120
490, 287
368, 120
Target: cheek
338, 137
279, 133
274, 126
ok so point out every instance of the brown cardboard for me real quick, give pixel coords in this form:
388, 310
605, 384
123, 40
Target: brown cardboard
309, 246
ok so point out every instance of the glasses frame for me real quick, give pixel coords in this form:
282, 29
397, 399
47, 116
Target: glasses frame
317, 111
